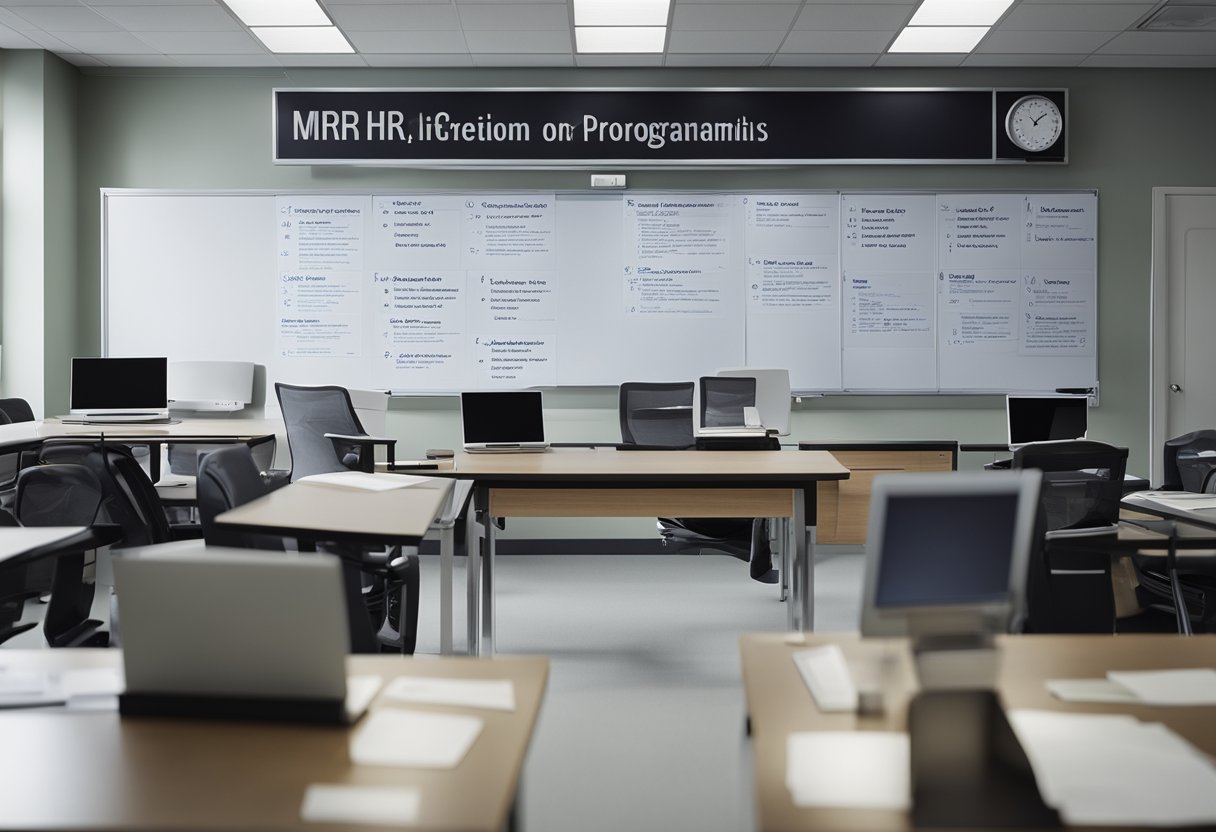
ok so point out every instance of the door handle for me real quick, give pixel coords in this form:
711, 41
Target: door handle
1174, 388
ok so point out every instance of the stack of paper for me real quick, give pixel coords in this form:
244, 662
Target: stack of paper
364, 482
374, 805
849, 769
1186, 500
1112, 770
414, 739
494, 694
1188, 686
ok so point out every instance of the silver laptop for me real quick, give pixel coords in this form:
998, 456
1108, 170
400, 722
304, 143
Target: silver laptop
236, 633
1046, 419
503, 421
119, 391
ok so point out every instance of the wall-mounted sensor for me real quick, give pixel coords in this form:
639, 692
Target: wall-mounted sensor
607, 180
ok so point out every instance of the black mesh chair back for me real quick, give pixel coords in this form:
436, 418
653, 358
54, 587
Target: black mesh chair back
308, 414
17, 410
184, 456
723, 399
227, 478
1188, 461
1082, 481
657, 413
66, 494
130, 499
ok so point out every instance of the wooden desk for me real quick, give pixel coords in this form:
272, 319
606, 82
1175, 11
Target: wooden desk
95, 770
780, 704
601, 482
317, 513
28, 435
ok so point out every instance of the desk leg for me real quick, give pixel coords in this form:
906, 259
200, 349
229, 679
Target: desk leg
487, 590
783, 560
476, 520
447, 556
794, 567
804, 553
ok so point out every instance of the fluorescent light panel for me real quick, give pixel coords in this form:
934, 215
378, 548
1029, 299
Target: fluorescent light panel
959, 12
938, 38
620, 38
312, 40
621, 12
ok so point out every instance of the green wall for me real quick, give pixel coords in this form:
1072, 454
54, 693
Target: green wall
1130, 130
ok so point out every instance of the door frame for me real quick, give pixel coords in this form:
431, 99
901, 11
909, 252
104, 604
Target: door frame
1159, 370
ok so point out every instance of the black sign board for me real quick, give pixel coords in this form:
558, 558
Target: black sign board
587, 127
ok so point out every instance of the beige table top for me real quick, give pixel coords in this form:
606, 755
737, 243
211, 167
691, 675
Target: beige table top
95, 770
336, 513
608, 465
779, 702
184, 428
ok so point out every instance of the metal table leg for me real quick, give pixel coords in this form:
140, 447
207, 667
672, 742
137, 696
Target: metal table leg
804, 553
486, 646
447, 557
475, 542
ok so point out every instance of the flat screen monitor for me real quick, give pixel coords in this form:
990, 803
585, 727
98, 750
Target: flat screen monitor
503, 418
946, 554
120, 387
1046, 418
772, 395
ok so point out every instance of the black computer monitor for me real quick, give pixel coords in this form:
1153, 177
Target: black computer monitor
506, 417
947, 553
120, 386
1046, 418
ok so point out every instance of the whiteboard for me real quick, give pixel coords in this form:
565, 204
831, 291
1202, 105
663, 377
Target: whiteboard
443, 291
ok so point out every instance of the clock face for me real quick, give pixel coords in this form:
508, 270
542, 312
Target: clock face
1034, 123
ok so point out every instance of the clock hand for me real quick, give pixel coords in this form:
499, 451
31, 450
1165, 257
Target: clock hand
1035, 121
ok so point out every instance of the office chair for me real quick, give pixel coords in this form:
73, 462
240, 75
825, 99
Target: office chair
324, 433
658, 414
723, 399
1069, 585
229, 477
1188, 595
64, 495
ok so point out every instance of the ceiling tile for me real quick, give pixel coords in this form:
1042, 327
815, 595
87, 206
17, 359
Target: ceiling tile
102, 3
1085, 2
702, 42
793, 59
82, 60
1103, 17
418, 60
386, 43
321, 60
136, 60
110, 43
1182, 61
50, 42
263, 59
1069, 43
527, 16
484, 60
202, 43
10, 39
718, 59
733, 16
920, 59
514, 42
15, 21
369, 18
66, 19
331, 4
1162, 43
171, 18
983, 59
858, 17
854, 42
605, 59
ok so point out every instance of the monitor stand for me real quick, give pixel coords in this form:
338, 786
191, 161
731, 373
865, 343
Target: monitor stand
967, 661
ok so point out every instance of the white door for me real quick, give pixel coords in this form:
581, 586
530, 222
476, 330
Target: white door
1183, 374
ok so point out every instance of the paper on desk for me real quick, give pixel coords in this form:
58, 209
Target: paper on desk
849, 769
1104, 769
32, 688
1186, 500
415, 739
1090, 690
495, 694
378, 805
1189, 686
364, 482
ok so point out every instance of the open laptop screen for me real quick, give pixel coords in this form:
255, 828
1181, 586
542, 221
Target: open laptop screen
502, 417
119, 384
1046, 418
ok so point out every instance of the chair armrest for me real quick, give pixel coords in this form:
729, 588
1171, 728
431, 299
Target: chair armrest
366, 441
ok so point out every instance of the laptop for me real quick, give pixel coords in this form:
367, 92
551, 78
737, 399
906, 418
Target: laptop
1046, 419
503, 421
119, 391
236, 634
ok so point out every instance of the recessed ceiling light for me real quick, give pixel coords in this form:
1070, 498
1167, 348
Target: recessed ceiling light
620, 38
621, 12
307, 39
938, 39
959, 12
279, 12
